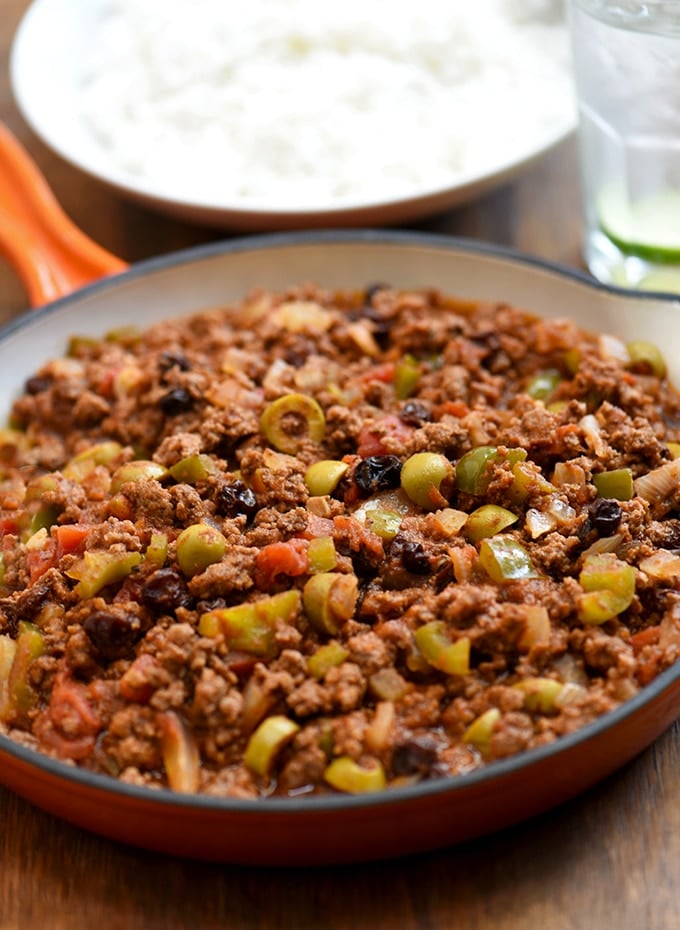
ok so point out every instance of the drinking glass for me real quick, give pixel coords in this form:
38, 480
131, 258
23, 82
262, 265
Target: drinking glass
626, 58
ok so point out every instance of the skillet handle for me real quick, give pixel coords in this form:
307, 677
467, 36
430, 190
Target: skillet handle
49, 253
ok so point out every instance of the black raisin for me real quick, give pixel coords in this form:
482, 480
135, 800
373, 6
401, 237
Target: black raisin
374, 289
365, 564
416, 756
666, 535
37, 384
165, 591
298, 352
605, 516
234, 499
170, 360
25, 605
177, 400
414, 558
443, 575
377, 473
112, 634
414, 413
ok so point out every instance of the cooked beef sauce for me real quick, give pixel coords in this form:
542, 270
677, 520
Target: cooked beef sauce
322, 542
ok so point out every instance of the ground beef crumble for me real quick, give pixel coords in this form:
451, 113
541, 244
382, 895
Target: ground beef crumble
318, 542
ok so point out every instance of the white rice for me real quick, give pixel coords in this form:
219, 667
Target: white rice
307, 104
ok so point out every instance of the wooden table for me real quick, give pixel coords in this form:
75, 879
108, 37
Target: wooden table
607, 861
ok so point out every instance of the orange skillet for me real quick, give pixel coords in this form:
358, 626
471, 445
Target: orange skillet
54, 259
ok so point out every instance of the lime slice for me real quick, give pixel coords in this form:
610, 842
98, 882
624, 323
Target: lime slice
661, 279
648, 228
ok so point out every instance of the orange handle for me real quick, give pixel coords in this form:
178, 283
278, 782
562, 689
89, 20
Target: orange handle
49, 253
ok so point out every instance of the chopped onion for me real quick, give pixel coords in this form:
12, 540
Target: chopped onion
475, 424
257, 702
569, 473
570, 670
656, 485
279, 377
605, 544
463, 560
669, 628
593, 433
363, 339
570, 694
315, 375
560, 510
450, 521
664, 565
66, 368
180, 753
539, 523
38, 540
377, 735
611, 347
537, 629
277, 461
394, 501
299, 316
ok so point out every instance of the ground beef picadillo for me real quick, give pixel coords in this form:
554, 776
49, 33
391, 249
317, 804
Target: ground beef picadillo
320, 542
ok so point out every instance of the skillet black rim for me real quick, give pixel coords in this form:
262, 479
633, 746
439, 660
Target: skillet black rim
335, 803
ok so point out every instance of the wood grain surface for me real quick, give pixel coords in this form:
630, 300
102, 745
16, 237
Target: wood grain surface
609, 860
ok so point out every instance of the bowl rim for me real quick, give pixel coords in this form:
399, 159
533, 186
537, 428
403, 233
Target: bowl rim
416, 202
450, 785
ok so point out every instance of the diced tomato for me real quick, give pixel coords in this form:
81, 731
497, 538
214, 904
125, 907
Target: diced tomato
281, 558
8, 526
139, 681
454, 408
240, 663
384, 372
70, 723
38, 561
558, 445
358, 536
317, 526
648, 670
648, 637
71, 539
106, 384
463, 560
371, 438
566, 429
